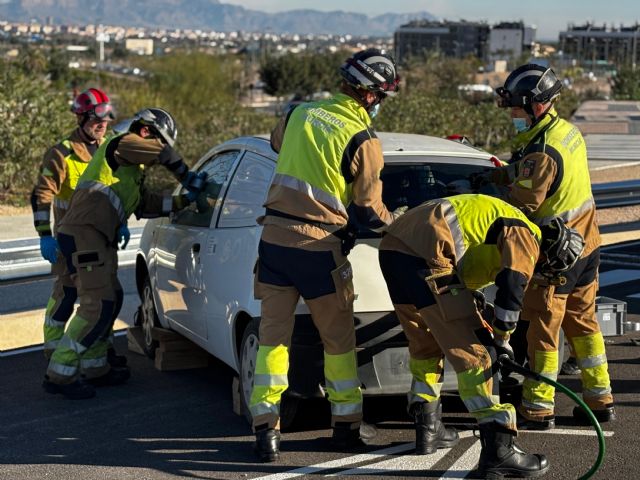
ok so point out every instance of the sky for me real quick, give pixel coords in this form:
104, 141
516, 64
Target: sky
549, 16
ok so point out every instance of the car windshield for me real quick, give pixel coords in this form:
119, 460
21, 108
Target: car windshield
414, 183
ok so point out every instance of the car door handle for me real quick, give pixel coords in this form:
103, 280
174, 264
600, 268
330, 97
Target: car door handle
195, 248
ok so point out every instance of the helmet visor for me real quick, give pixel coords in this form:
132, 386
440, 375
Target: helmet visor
103, 111
506, 99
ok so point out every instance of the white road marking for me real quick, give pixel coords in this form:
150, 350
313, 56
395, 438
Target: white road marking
341, 462
402, 463
612, 277
460, 469
566, 431
466, 463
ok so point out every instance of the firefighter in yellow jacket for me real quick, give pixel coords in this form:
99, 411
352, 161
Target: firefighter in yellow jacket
549, 179
108, 192
61, 168
329, 158
432, 258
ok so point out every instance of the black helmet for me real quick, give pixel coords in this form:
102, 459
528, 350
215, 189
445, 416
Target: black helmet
160, 120
562, 247
371, 70
529, 83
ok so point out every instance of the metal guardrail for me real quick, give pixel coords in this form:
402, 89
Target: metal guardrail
616, 194
22, 258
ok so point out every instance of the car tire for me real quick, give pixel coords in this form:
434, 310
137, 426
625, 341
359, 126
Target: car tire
247, 355
148, 319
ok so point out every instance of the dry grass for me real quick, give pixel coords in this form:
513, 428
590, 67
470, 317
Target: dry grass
10, 211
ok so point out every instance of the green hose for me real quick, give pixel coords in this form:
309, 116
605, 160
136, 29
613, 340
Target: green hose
509, 364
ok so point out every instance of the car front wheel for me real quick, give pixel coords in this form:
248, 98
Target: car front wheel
149, 319
248, 353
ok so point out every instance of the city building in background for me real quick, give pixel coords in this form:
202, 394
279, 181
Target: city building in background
511, 40
489, 43
598, 48
452, 39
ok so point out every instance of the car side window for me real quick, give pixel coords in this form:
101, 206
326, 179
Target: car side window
247, 192
218, 169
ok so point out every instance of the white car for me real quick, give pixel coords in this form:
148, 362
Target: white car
195, 270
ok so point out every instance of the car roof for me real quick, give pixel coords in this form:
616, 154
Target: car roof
397, 148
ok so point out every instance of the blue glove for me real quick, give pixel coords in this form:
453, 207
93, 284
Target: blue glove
49, 248
194, 183
123, 236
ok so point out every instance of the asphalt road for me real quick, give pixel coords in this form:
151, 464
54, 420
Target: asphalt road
166, 425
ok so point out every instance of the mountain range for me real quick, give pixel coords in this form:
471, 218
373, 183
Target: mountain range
202, 14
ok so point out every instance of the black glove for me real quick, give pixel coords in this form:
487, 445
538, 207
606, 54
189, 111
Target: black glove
480, 179
348, 236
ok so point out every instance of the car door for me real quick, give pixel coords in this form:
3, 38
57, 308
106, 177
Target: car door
228, 272
181, 246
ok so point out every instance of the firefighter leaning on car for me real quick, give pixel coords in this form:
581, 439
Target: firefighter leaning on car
431, 258
549, 178
329, 158
61, 168
108, 192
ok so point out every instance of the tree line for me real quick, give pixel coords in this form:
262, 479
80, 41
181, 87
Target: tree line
204, 92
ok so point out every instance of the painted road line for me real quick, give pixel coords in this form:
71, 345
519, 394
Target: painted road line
565, 431
613, 277
341, 462
466, 463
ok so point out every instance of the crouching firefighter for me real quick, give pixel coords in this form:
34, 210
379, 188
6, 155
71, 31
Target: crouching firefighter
432, 257
108, 192
329, 159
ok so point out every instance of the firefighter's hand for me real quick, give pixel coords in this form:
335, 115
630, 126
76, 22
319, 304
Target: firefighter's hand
503, 346
480, 179
194, 183
49, 248
398, 212
123, 236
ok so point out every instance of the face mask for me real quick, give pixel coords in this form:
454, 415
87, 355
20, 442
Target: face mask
520, 124
374, 111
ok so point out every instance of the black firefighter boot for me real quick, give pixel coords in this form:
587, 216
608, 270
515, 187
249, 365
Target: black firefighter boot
431, 433
267, 445
348, 436
501, 457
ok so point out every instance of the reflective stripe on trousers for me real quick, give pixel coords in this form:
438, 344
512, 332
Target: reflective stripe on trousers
269, 382
539, 395
426, 381
592, 360
482, 403
343, 385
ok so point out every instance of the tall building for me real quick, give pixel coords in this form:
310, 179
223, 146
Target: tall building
510, 40
452, 39
595, 47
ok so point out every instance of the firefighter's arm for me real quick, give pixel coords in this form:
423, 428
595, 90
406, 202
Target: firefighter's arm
277, 134
155, 204
519, 252
50, 179
535, 176
135, 150
365, 167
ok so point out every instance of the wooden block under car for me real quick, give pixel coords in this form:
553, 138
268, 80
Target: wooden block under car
175, 352
135, 340
166, 361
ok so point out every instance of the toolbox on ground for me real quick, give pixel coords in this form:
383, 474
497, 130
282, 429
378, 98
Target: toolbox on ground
611, 315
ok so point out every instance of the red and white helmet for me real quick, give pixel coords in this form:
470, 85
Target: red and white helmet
93, 103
